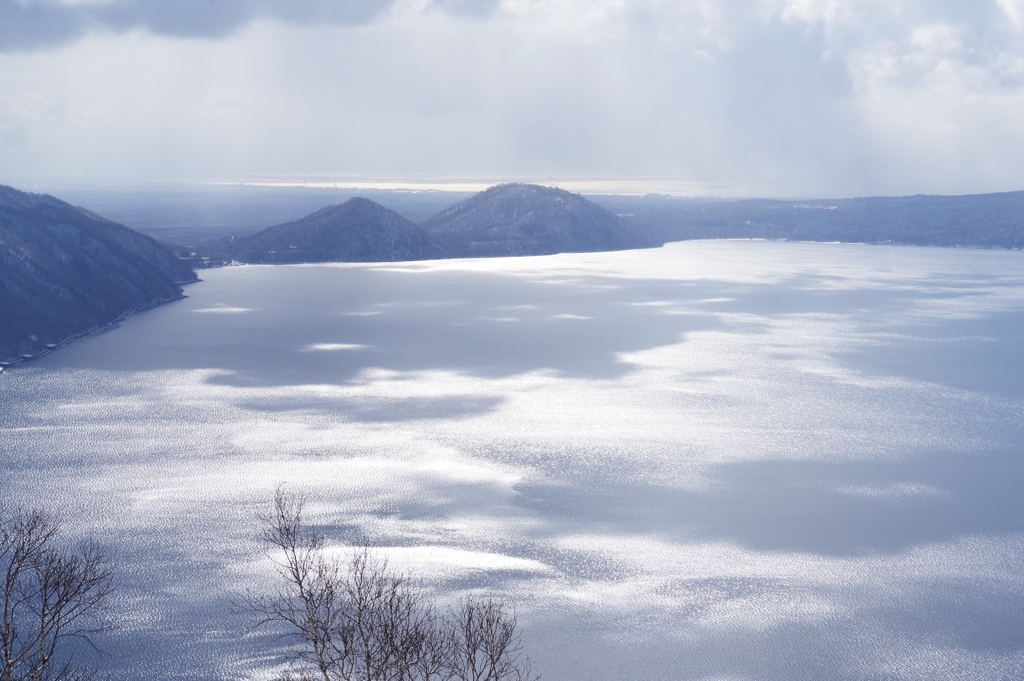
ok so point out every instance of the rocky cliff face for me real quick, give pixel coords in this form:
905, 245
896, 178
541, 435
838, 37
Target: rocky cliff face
65, 271
525, 219
358, 230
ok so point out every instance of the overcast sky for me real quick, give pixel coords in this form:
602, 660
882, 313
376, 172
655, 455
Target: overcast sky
757, 97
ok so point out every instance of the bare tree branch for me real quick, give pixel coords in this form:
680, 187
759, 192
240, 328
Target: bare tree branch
485, 643
49, 593
359, 620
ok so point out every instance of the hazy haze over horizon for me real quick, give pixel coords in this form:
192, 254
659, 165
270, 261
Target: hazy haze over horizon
739, 97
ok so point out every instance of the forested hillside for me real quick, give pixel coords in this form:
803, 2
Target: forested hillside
65, 271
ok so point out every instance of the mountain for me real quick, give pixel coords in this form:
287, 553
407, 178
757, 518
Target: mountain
65, 271
358, 230
527, 219
982, 220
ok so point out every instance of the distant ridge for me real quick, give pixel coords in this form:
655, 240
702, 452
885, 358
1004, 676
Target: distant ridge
358, 230
529, 219
65, 271
972, 220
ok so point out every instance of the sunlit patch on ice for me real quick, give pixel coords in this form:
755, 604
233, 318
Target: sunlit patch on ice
439, 562
329, 347
225, 309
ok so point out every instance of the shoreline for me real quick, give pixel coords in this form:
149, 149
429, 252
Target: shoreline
113, 324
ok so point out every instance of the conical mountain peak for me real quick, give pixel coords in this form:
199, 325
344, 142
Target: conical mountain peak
359, 230
529, 219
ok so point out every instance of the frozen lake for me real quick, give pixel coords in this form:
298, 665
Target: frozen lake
715, 460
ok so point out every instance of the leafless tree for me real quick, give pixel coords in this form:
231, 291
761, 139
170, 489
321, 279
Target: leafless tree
356, 619
485, 643
50, 594
350, 619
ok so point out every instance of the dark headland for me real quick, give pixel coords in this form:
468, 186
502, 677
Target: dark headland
65, 272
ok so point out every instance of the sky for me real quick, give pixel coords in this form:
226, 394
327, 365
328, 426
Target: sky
724, 97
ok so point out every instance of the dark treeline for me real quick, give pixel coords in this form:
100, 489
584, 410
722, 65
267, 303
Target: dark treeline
981, 220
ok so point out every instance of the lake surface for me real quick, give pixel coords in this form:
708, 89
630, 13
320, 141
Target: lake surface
713, 460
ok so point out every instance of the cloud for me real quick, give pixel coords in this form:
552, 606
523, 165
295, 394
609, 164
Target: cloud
26, 26
34, 24
783, 97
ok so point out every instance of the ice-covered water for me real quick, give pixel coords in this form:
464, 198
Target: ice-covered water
714, 460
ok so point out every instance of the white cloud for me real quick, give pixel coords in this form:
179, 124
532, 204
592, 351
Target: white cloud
774, 96
1014, 11
587, 21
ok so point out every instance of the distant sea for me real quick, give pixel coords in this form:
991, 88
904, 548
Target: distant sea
713, 460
